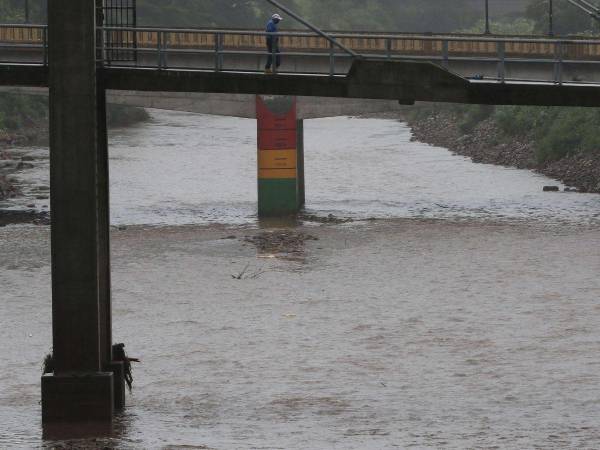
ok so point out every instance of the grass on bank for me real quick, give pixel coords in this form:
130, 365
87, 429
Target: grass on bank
19, 112
556, 131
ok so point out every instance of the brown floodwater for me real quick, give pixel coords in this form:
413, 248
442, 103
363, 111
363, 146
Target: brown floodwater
377, 335
460, 318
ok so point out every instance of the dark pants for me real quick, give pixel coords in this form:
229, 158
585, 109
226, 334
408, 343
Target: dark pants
270, 48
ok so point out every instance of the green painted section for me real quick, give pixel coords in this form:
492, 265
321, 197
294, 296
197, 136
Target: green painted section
277, 197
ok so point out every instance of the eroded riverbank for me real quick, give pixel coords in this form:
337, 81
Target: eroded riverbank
372, 335
485, 143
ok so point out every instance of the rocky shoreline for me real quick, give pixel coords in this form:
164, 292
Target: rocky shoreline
16, 155
10, 162
14, 160
487, 144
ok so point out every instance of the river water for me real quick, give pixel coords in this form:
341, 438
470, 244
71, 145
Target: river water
464, 316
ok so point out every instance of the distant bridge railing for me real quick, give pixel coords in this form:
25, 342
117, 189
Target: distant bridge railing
479, 57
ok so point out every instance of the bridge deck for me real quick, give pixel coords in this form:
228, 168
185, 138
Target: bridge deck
500, 58
406, 82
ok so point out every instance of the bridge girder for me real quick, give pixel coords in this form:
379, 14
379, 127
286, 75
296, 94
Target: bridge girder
407, 82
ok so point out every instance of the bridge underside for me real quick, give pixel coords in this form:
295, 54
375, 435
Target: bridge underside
405, 82
230, 105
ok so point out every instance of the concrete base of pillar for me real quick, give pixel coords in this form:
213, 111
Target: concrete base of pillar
81, 397
118, 383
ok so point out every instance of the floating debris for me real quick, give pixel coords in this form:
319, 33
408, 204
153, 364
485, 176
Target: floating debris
245, 274
119, 355
48, 364
320, 219
280, 241
9, 217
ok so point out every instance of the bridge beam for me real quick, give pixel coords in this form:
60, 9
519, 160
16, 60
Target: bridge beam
80, 387
280, 163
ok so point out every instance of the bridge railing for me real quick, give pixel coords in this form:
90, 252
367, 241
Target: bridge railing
178, 48
23, 43
307, 53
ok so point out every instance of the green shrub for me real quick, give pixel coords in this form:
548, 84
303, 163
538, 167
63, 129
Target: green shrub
567, 131
516, 120
473, 115
120, 115
18, 110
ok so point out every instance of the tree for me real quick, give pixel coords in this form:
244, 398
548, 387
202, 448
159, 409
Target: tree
567, 18
361, 15
193, 13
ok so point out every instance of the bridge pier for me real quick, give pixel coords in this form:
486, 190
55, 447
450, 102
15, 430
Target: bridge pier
84, 380
280, 156
300, 162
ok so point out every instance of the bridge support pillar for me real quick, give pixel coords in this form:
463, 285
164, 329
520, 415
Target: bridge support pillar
280, 169
81, 386
300, 162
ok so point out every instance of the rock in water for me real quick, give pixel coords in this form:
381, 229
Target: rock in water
551, 189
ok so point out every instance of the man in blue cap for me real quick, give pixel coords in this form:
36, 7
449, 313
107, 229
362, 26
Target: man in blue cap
273, 43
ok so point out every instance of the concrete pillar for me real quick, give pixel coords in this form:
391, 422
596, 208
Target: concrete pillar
104, 276
300, 162
79, 389
278, 193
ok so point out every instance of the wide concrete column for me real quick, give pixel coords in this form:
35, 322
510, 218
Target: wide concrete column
278, 177
79, 389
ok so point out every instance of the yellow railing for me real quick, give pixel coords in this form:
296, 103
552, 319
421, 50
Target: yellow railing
406, 45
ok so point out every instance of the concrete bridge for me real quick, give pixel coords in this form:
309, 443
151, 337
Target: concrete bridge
78, 60
398, 67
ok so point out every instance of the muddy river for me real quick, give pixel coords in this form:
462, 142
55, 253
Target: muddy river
458, 309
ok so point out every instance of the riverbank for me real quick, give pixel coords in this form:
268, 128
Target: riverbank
485, 142
12, 160
24, 125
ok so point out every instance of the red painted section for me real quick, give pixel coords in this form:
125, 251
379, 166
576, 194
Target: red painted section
271, 117
276, 139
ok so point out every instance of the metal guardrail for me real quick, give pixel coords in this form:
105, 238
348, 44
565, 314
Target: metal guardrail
156, 46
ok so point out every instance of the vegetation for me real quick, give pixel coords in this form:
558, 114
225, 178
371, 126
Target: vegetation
121, 116
567, 18
556, 131
19, 111
393, 15
376, 15
13, 11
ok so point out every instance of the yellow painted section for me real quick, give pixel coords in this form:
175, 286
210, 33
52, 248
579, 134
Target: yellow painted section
277, 174
277, 159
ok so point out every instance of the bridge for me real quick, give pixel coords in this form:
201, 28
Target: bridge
79, 60
401, 67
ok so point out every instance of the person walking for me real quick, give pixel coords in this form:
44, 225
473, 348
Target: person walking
273, 43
